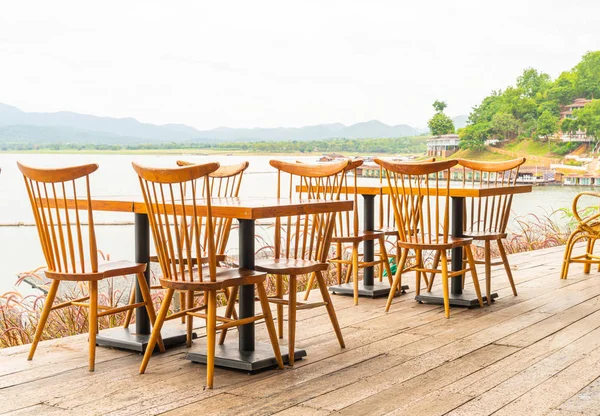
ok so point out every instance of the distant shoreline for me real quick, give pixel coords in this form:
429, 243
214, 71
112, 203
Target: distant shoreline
194, 152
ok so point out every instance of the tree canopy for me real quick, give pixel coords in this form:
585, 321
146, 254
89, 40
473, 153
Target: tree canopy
440, 123
531, 108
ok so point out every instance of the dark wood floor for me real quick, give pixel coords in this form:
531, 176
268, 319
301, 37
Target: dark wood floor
534, 354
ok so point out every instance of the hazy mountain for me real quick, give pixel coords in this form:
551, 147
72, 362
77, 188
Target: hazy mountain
460, 121
66, 126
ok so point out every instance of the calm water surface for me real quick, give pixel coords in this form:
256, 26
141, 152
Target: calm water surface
20, 246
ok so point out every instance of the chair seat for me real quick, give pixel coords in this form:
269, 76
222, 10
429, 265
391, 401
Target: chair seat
484, 235
422, 243
224, 278
203, 260
290, 266
106, 270
393, 231
361, 236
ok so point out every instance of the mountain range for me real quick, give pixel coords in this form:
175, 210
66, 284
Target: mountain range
69, 127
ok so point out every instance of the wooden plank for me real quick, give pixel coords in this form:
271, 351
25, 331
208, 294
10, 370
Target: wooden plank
585, 402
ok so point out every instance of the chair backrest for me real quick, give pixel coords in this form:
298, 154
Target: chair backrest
307, 236
347, 222
225, 182
180, 215
386, 212
488, 214
420, 196
59, 224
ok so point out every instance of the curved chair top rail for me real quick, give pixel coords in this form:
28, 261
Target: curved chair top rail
311, 171
225, 171
585, 220
491, 166
174, 175
49, 175
412, 168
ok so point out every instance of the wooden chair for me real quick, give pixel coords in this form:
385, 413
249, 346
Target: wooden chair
386, 220
225, 182
70, 254
302, 243
486, 218
422, 211
588, 228
179, 209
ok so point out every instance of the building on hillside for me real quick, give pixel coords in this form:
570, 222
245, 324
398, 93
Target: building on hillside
443, 146
579, 136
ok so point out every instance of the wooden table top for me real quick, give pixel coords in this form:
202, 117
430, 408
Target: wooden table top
247, 208
455, 191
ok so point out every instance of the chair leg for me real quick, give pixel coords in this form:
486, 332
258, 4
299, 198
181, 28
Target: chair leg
93, 322
418, 281
160, 319
330, 309
266, 310
292, 319
507, 267
436, 262
488, 271
231, 297
311, 282
43, 318
444, 260
149, 306
182, 305
211, 335
385, 260
396, 284
355, 271
129, 314
189, 319
279, 295
338, 265
567, 256
348, 272
472, 266
590, 252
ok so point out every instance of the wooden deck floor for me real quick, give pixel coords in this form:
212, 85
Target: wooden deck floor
534, 354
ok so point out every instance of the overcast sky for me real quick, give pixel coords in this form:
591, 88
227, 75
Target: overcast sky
280, 63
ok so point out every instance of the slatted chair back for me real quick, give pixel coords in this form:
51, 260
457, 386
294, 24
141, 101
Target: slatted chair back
386, 212
488, 214
225, 182
61, 228
180, 215
307, 236
420, 196
347, 223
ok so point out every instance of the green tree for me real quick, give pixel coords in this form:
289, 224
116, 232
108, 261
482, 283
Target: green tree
547, 124
532, 82
587, 75
504, 126
440, 123
587, 119
439, 106
473, 136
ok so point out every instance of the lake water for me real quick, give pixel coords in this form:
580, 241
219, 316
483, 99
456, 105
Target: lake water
20, 245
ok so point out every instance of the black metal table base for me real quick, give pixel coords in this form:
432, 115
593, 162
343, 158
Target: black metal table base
465, 299
377, 290
127, 339
229, 356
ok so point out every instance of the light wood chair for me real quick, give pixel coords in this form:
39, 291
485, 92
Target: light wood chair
486, 218
422, 211
178, 201
225, 182
70, 254
386, 220
302, 243
587, 228
347, 234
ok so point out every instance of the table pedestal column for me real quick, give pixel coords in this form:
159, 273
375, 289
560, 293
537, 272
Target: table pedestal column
137, 340
248, 355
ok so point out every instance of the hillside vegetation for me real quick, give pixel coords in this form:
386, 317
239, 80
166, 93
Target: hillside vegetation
531, 108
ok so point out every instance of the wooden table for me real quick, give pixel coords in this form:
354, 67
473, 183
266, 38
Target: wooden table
369, 288
247, 355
